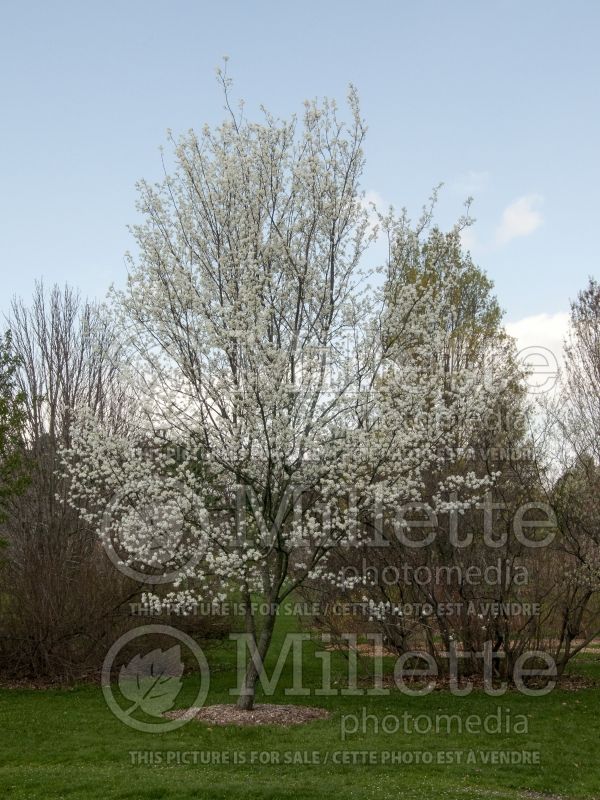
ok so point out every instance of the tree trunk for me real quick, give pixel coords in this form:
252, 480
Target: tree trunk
256, 664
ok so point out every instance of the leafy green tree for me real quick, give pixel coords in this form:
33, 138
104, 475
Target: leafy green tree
454, 330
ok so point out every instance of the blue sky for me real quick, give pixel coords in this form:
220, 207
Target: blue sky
495, 99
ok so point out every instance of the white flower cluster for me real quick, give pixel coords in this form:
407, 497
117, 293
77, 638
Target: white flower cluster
297, 395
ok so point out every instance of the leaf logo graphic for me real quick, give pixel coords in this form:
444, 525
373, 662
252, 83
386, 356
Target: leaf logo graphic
152, 682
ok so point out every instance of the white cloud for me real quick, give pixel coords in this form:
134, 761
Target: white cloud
471, 182
520, 218
540, 348
468, 239
542, 333
371, 196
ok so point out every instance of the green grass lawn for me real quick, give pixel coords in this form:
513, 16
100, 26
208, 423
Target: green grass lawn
67, 744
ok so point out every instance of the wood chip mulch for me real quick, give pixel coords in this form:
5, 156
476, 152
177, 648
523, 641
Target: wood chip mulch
261, 714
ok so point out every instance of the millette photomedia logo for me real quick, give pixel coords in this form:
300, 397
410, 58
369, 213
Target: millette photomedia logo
149, 681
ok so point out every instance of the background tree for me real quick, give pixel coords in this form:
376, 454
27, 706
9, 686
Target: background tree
462, 341
570, 449
13, 473
60, 593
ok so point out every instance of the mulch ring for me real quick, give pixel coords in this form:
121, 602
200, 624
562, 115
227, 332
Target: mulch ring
261, 714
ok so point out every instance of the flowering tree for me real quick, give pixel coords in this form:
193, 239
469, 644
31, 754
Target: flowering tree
293, 392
